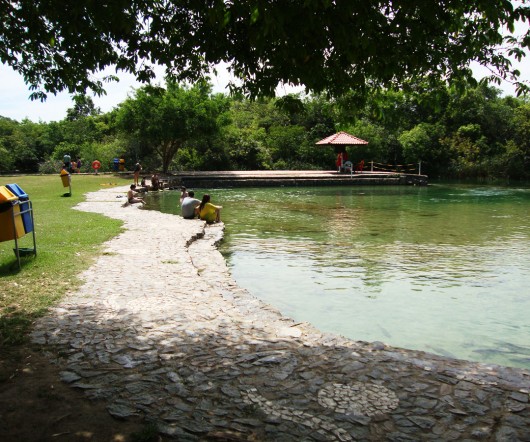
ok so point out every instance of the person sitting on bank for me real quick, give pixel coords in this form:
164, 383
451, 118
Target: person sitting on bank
183, 194
155, 182
132, 196
189, 206
208, 212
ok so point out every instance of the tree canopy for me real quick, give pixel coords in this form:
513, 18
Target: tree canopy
326, 45
164, 120
471, 134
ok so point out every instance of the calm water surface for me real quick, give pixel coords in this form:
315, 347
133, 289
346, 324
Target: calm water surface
443, 269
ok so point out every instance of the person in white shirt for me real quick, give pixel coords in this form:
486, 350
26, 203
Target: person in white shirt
189, 206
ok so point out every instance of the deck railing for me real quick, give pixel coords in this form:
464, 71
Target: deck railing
398, 168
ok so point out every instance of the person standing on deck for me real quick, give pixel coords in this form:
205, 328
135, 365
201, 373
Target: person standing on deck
342, 157
137, 170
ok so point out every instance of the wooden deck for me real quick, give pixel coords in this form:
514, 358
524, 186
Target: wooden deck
264, 178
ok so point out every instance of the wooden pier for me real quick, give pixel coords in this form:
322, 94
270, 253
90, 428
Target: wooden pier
287, 178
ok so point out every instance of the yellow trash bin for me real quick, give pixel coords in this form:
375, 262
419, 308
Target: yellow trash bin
8, 209
65, 177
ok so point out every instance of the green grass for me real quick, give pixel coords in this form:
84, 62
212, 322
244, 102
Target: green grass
67, 240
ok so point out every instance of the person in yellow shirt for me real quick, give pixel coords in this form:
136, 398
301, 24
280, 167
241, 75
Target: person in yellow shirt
209, 212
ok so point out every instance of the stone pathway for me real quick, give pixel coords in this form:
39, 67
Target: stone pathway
160, 330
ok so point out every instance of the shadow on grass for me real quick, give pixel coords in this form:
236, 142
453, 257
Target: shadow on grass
15, 326
11, 268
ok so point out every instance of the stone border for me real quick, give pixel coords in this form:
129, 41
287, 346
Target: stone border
160, 330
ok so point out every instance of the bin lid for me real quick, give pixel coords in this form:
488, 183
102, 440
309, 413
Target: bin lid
16, 190
6, 195
64, 172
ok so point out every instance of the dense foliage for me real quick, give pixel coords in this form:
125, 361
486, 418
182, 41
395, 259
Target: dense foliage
326, 45
476, 133
162, 121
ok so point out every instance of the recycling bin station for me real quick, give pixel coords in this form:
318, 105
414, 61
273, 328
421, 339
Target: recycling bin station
16, 219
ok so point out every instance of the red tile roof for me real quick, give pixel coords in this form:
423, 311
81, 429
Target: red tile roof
342, 138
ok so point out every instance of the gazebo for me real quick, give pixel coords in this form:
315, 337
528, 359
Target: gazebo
340, 140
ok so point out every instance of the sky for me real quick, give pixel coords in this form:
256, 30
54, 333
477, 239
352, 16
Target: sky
15, 104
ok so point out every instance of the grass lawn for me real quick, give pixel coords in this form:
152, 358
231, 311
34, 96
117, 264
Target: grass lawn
67, 243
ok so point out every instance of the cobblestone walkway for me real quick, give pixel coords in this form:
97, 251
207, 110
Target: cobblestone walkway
160, 330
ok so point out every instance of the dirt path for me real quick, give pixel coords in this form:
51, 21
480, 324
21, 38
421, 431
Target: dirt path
36, 406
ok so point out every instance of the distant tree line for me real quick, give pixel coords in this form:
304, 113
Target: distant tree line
455, 132
392, 54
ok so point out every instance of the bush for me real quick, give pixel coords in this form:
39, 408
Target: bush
50, 166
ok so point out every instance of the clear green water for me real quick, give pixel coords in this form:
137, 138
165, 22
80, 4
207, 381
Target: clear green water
445, 269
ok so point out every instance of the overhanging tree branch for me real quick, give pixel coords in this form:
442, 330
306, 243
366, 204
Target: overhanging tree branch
331, 46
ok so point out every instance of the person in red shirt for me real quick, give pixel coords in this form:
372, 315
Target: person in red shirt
342, 157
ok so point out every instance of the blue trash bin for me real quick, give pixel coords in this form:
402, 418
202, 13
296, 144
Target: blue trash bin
116, 164
24, 206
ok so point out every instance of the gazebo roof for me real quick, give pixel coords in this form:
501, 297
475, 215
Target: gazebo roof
343, 138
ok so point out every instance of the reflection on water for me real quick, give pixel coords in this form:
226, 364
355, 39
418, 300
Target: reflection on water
439, 268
